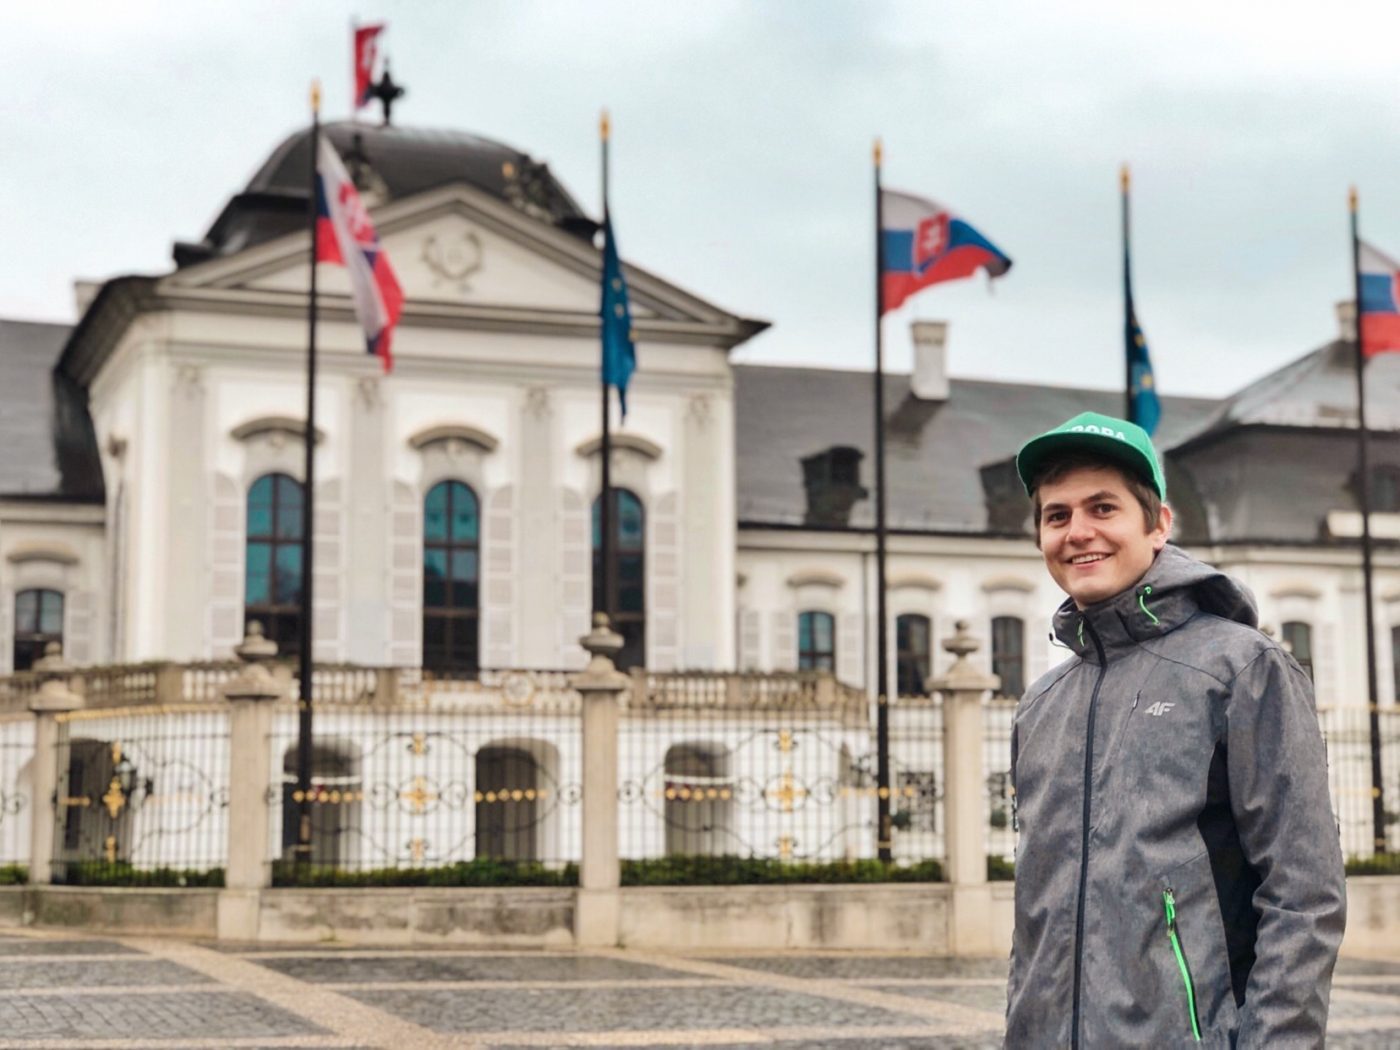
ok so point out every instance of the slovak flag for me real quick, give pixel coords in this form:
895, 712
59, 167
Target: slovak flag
366, 53
923, 243
1380, 302
345, 235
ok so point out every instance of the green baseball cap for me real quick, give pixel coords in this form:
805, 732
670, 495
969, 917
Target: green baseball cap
1126, 444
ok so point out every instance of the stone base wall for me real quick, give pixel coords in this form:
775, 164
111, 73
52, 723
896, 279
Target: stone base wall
893, 917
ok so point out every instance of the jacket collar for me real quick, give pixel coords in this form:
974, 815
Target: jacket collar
1135, 615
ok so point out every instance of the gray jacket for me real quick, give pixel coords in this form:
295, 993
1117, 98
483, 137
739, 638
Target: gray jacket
1179, 868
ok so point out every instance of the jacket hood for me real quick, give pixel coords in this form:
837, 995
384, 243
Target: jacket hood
1176, 588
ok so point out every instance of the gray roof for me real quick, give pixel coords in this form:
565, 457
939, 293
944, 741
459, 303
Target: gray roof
1317, 390
936, 452
50, 450
394, 162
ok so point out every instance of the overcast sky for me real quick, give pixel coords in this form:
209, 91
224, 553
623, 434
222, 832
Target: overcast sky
741, 156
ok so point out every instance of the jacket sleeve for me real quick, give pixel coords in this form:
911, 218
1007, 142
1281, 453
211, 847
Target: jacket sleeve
1278, 793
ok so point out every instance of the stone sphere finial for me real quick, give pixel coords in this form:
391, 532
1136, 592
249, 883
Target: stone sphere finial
52, 660
602, 642
961, 643
255, 647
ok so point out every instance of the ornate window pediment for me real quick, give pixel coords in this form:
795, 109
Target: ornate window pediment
644, 447
278, 428
449, 432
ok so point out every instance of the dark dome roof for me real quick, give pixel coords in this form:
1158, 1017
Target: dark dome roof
388, 163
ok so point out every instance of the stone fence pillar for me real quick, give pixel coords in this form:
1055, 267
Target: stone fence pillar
250, 696
963, 690
55, 697
597, 907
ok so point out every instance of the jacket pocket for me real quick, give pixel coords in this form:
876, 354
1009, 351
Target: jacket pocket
1197, 994
1174, 937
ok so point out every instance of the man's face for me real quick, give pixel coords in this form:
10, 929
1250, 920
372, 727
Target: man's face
1092, 534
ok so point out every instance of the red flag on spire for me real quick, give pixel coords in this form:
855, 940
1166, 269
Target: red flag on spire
366, 54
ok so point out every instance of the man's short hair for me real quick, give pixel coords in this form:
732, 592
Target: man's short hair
1083, 459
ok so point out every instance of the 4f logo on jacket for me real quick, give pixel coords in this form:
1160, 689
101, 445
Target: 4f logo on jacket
1158, 709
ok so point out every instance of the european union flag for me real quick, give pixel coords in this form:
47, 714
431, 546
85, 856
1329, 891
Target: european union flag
619, 355
1145, 409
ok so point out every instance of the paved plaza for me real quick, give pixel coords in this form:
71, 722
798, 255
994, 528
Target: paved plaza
85, 992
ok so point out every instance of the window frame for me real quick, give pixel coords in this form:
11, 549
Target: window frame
281, 621
813, 657
457, 619
1009, 666
1306, 661
905, 655
29, 644
630, 623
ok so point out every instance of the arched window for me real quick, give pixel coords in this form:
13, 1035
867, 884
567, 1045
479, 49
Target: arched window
272, 579
1009, 654
699, 793
816, 641
451, 578
913, 651
1297, 638
507, 790
38, 621
628, 603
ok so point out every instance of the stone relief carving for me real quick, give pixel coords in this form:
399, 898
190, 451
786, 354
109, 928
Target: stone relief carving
189, 380
537, 402
453, 258
700, 410
369, 390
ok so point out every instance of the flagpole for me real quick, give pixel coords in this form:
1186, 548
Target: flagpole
882, 711
303, 791
1364, 494
1124, 182
605, 508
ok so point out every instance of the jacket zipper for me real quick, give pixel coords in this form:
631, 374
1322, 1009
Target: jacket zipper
1169, 906
1084, 840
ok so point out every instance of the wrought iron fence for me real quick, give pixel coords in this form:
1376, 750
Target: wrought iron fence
736, 767
997, 716
1347, 732
423, 778
142, 795
16, 809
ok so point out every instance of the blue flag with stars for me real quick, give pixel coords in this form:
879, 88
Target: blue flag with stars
1144, 407
619, 355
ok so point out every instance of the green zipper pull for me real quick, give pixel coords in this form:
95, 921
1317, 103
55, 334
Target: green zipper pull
1081, 632
1169, 906
1143, 604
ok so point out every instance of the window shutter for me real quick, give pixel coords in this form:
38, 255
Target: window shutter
575, 577
227, 521
750, 640
663, 590
498, 580
328, 599
850, 653
785, 641
78, 609
405, 576
7, 630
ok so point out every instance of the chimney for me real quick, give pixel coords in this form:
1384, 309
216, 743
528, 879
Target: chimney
1346, 320
930, 378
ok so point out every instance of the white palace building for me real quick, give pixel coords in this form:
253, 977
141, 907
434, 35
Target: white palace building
151, 457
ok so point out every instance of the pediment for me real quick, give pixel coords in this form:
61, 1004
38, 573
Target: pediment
456, 248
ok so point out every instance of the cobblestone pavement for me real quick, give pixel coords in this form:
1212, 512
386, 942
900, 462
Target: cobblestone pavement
86, 993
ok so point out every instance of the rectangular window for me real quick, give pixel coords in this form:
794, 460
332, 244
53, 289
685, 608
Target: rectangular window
1008, 655
1297, 639
816, 641
913, 652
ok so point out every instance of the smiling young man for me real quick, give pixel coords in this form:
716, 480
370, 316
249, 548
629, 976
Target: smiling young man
1178, 879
